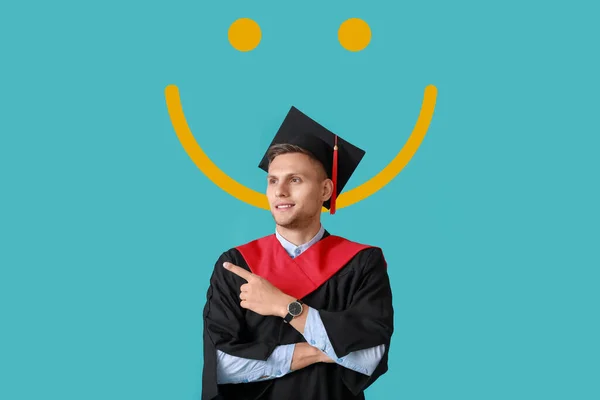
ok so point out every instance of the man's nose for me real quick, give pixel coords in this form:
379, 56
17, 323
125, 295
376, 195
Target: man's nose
281, 190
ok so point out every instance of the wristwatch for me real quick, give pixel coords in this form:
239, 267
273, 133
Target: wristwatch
294, 310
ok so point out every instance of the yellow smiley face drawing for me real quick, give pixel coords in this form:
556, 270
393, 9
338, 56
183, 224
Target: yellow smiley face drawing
245, 35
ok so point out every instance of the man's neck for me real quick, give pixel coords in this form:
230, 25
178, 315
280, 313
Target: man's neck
299, 236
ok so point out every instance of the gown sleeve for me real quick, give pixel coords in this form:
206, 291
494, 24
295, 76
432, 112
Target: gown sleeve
225, 326
367, 322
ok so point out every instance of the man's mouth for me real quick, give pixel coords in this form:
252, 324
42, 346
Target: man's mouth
286, 206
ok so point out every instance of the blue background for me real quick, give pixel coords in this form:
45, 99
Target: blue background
109, 232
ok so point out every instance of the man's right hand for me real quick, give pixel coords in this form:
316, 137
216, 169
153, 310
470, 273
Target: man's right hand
305, 355
324, 357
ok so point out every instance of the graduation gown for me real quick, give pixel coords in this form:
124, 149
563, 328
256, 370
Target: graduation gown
345, 281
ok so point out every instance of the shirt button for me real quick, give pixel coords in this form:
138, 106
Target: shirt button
312, 342
340, 359
297, 251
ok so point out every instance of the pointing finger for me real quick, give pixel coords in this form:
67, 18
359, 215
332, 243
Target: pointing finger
239, 271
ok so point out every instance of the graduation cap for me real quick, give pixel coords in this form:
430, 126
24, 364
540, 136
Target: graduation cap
339, 157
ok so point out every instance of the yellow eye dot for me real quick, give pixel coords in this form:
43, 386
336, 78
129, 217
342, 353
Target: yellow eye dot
244, 34
354, 34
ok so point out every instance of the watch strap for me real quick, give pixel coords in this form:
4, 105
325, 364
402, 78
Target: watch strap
288, 318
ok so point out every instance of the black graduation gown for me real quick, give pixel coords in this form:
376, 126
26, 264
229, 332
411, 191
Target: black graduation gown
355, 305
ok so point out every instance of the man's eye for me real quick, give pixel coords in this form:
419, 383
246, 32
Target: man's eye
295, 179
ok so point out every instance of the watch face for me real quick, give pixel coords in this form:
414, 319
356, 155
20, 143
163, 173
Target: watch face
295, 308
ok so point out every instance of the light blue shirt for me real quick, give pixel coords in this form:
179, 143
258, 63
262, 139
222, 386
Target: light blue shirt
231, 369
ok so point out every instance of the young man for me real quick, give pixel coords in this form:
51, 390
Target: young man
299, 314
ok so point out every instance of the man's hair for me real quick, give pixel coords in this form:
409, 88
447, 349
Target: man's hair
286, 148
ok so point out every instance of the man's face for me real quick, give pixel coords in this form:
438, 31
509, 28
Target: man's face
296, 189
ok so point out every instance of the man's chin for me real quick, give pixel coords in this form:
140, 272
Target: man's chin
285, 221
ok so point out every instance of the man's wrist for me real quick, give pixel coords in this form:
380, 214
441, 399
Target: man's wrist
283, 309
321, 357
317, 354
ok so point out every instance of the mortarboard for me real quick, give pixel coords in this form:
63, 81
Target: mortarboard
339, 157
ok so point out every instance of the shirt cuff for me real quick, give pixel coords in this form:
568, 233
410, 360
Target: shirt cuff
280, 361
231, 369
314, 330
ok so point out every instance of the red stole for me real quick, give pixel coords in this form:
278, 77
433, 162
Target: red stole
302, 275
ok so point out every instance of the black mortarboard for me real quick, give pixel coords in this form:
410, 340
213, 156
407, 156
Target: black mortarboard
339, 162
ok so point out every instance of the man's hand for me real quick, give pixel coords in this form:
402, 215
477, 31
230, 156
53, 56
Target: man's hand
259, 295
306, 355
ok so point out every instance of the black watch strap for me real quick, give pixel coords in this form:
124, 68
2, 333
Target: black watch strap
288, 318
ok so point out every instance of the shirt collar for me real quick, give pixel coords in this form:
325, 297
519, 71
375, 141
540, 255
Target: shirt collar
295, 251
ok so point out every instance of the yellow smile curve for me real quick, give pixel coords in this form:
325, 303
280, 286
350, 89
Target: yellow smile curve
258, 199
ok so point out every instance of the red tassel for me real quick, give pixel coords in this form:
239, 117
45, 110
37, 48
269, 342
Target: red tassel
334, 177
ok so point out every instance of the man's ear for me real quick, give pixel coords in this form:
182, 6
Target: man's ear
327, 189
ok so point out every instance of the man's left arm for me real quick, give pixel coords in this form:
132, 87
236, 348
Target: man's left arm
365, 326
364, 361
368, 320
